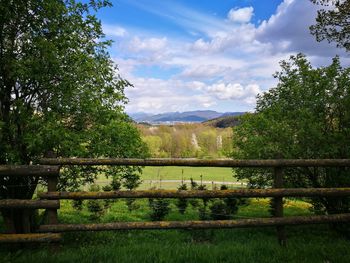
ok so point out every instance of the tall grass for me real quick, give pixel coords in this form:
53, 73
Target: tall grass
305, 243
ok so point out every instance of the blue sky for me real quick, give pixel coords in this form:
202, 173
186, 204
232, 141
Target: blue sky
207, 55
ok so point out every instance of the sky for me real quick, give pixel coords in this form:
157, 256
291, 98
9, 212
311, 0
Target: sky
208, 55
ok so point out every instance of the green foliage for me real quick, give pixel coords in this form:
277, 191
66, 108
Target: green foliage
78, 205
60, 92
182, 203
95, 207
107, 188
201, 204
159, 208
306, 116
315, 243
107, 202
131, 204
186, 140
194, 184
224, 209
193, 201
115, 184
154, 144
219, 211
333, 22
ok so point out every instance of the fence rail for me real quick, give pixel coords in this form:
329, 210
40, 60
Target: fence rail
29, 204
29, 170
283, 192
30, 238
256, 222
200, 163
49, 169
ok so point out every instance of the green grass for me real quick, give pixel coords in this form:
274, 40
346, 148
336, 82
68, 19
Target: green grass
157, 176
305, 243
175, 172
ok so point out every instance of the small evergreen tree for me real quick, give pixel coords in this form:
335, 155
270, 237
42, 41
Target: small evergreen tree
182, 203
95, 207
159, 208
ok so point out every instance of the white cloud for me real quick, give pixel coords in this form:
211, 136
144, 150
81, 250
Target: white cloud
237, 36
113, 30
241, 15
222, 61
205, 71
288, 30
158, 95
147, 44
234, 91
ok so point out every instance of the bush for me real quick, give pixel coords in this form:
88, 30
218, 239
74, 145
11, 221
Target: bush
193, 201
131, 204
182, 203
78, 205
226, 208
220, 211
159, 208
95, 207
107, 202
116, 184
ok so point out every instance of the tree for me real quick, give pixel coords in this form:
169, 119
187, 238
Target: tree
333, 23
306, 116
60, 92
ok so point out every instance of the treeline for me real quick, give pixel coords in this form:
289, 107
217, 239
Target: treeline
187, 140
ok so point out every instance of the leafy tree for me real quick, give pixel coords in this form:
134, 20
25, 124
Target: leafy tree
333, 22
154, 144
59, 92
307, 115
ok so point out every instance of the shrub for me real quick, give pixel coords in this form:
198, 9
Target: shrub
95, 207
159, 208
182, 203
107, 202
220, 211
78, 205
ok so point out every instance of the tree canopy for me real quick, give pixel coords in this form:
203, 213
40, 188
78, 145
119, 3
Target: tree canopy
307, 115
60, 92
333, 22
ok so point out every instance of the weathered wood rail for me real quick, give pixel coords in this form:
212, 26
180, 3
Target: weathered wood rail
200, 163
255, 222
49, 169
273, 192
30, 238
29, 204
46, 172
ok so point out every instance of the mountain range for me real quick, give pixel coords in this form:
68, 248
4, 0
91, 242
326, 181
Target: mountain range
187, 116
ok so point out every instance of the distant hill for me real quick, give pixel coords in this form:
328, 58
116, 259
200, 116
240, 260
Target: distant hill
173, 117
224, 121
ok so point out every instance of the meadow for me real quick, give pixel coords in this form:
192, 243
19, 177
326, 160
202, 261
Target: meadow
170, 177
305, 243
317, 243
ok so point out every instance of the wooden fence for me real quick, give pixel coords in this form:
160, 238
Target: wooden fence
49, 169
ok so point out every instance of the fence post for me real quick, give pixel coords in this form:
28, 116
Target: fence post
52, 212
278, 204
52, 182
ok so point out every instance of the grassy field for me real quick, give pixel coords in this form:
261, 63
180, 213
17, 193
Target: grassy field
305, 243
159, 177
